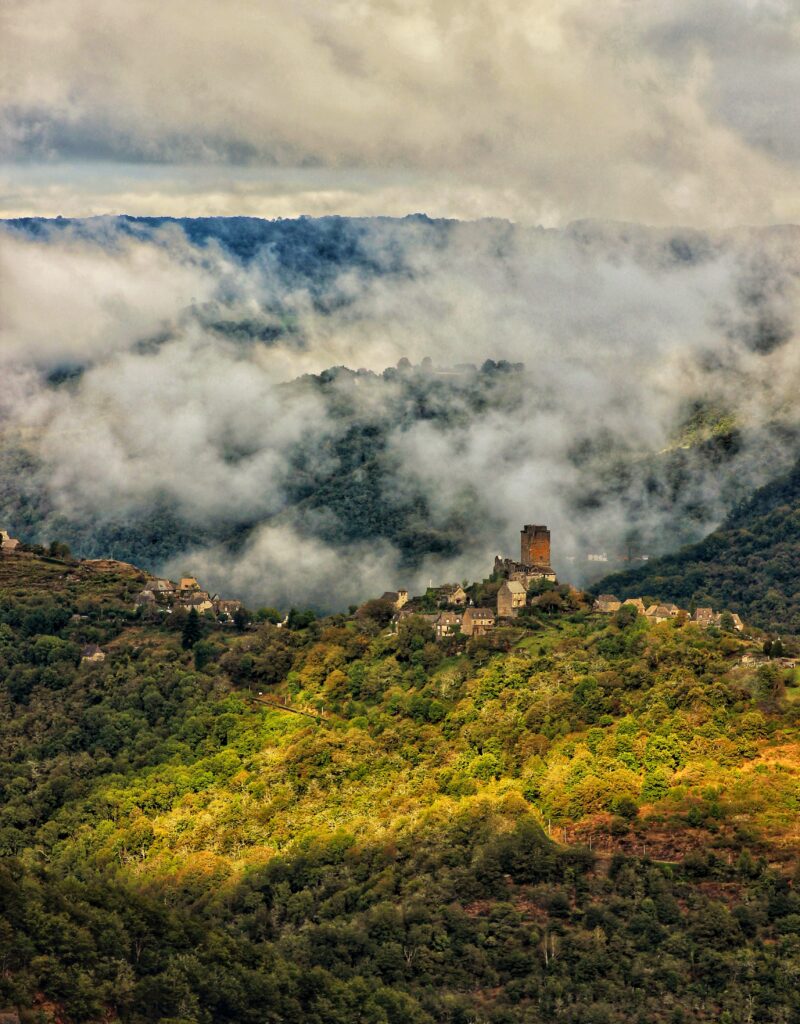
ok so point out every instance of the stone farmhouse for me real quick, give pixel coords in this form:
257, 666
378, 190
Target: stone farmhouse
165, 596
9, 545
92, 653
662, 612
226, 609
704, 617
511, 596
199, 600
477, 621
449, 594
447, 624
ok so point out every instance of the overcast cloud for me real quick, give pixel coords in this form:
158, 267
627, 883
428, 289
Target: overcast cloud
542, 112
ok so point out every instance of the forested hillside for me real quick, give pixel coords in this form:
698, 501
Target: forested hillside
749, 564
582, 819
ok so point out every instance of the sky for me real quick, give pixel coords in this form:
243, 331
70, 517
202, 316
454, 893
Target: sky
541, 112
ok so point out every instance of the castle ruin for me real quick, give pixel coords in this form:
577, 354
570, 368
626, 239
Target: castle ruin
535, 546
534, 560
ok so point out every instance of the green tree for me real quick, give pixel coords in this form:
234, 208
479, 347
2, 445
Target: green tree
413, 634
300, 619
241, 618
192, 630
58, 549
268, 615
625, 616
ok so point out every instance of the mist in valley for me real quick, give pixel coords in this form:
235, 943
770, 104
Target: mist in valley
161, 394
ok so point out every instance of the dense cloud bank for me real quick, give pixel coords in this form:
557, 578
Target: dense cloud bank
149, 390
661, 113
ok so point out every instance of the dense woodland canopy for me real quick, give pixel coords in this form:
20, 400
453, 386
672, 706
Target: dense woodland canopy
749, 564
586, 818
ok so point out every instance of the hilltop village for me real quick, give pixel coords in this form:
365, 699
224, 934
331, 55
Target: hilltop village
452, 610
518, 587
158, 598
515, 589
162, 595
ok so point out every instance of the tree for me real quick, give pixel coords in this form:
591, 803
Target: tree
549, 602
625, 616
58, 549
299, 619
268, 615
241, 618
192, 630
205, 651
413, 634
379, 609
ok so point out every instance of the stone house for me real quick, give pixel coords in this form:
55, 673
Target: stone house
704, 617
754, 658
510, 598
188, 584
226, 609
451, 593
447, 624
159, 586
92, 653
525, 574
477, 621
607, 604
145, 599
9, 545
662, 612
398, 598
637, 603
199, 600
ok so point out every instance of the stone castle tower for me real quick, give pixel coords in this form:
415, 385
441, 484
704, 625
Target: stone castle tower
535, 545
